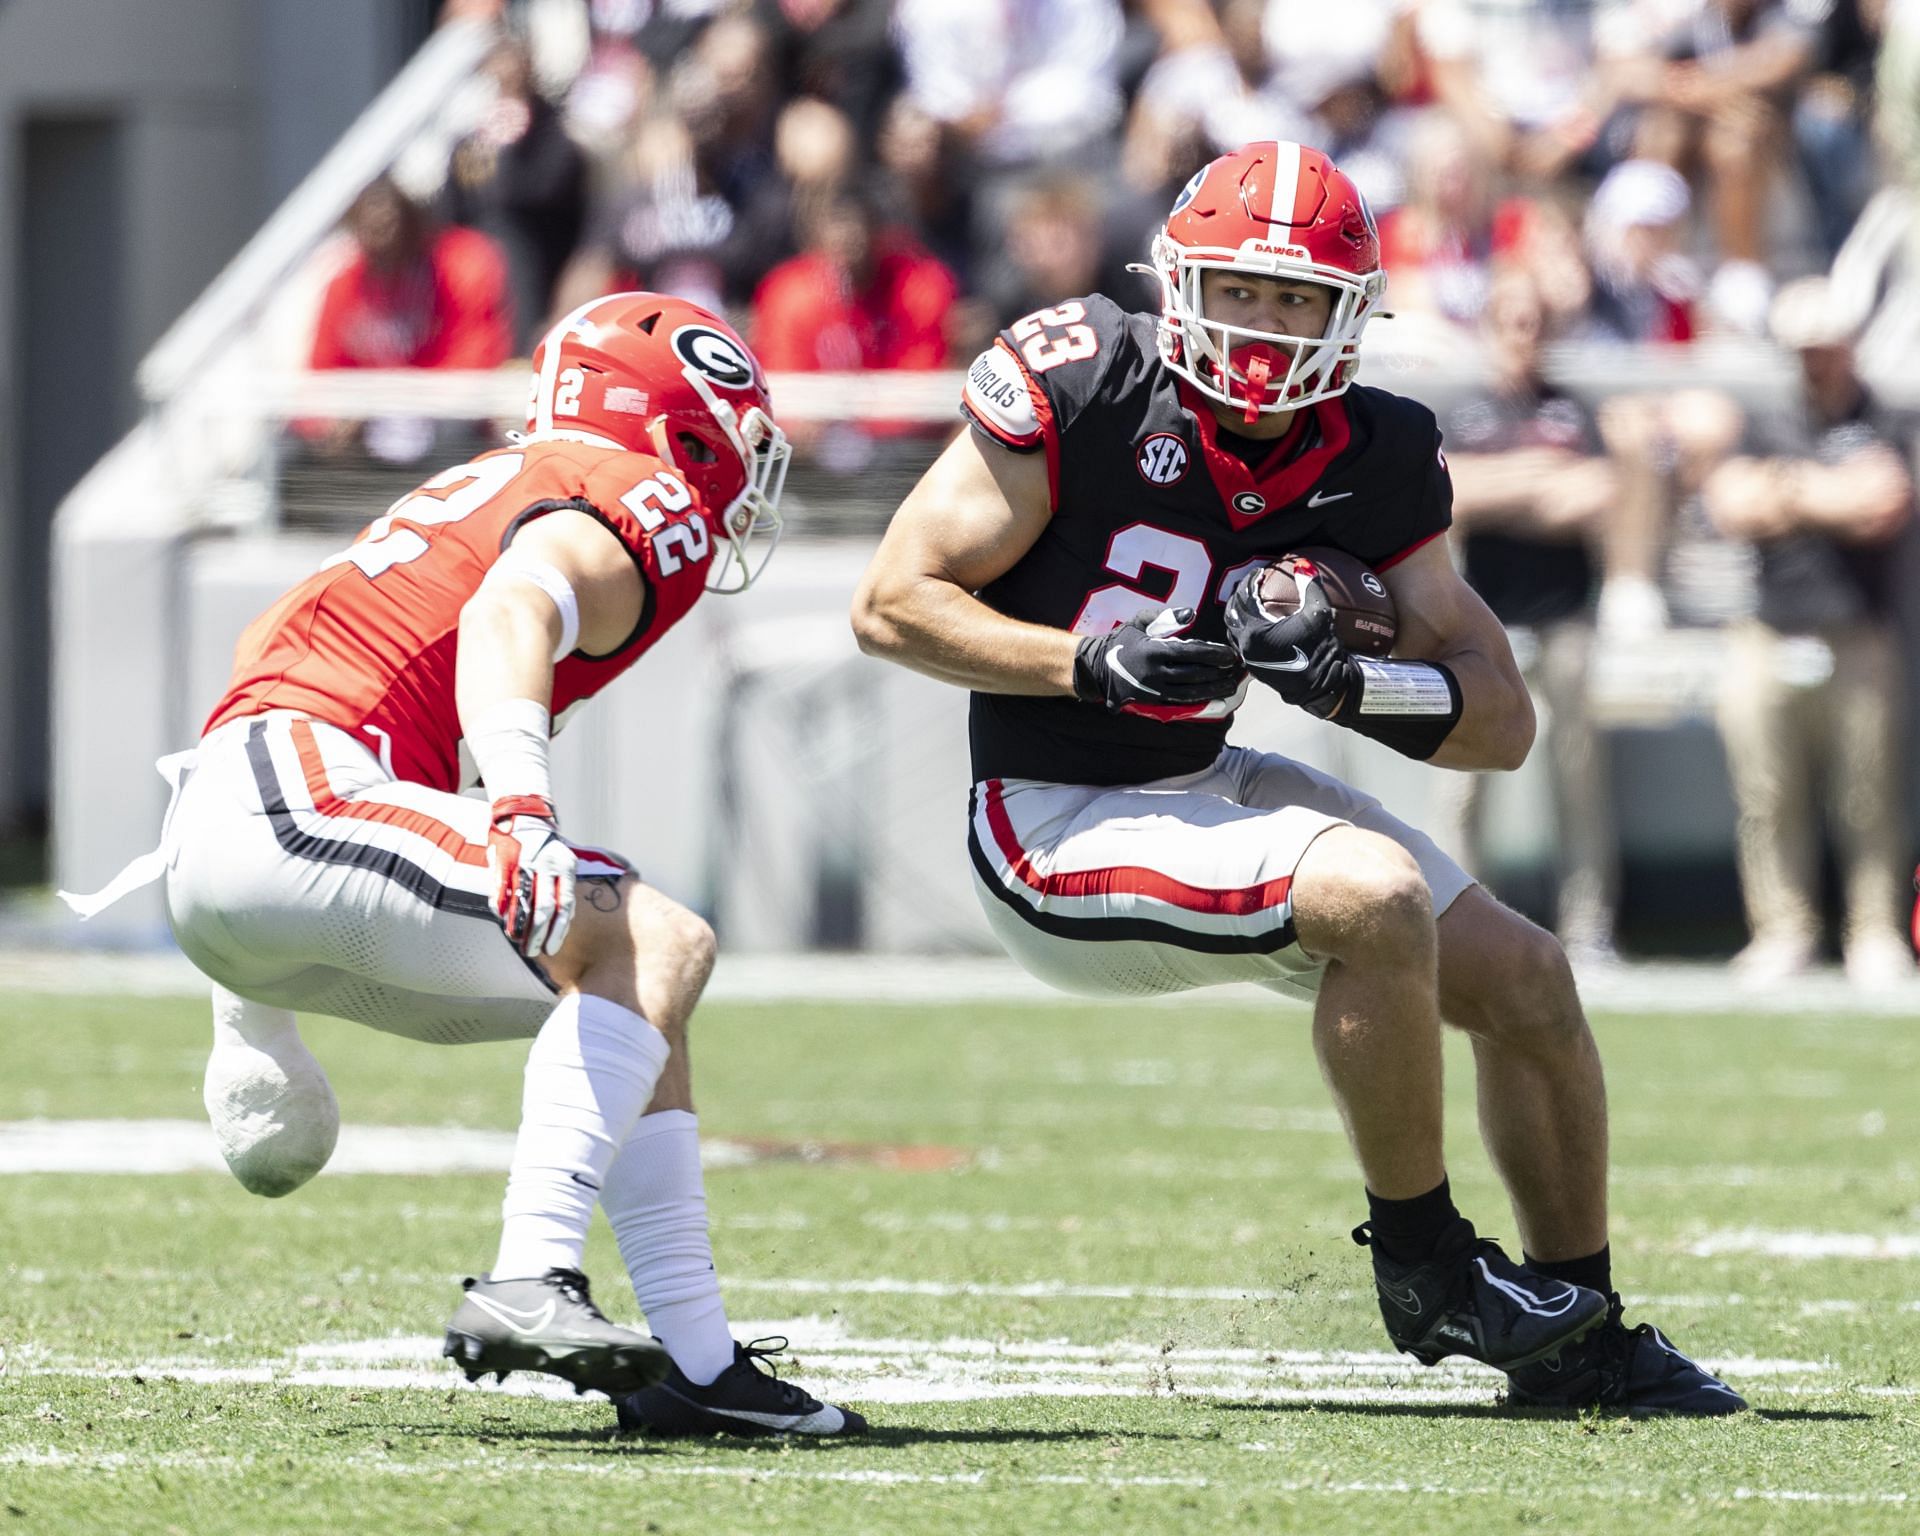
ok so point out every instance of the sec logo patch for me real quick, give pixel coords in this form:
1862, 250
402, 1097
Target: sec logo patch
1249, 503
1162, 459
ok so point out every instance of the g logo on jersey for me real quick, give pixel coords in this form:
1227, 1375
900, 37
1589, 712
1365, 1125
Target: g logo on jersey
1249, 503
1162, 459
715, 354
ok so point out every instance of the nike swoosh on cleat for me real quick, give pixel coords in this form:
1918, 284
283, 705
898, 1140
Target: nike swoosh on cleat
1407, 1300
1297, 662
818, 1421
513, 1317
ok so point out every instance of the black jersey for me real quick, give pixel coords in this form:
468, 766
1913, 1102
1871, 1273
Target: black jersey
1152, 510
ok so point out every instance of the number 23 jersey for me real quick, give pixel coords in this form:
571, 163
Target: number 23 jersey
1153, 508
367, 642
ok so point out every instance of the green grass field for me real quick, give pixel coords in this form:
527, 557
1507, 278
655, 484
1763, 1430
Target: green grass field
1122, 1299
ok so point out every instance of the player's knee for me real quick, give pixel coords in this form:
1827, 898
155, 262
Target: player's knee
668, 945
690, 940
1525, 990
1358, 894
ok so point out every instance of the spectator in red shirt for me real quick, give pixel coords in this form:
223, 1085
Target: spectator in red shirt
860, 295
410, 296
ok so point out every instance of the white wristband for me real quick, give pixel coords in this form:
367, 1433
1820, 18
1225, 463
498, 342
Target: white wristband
1403, 688
508, 744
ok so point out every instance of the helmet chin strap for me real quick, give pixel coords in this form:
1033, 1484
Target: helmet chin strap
662, 441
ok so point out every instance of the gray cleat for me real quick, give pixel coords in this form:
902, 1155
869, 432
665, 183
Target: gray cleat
550, 1324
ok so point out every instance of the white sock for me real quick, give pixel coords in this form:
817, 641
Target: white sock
656, 1203
589, 1075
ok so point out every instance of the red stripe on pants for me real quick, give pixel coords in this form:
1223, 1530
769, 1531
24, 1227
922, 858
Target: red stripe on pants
1127, 879
447, 838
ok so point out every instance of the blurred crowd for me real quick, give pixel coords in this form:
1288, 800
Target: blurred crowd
881, 184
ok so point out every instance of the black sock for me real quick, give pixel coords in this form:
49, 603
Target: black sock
1408, 1231
1595, 1271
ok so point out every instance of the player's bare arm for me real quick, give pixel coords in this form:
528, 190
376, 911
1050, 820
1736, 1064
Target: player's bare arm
510, 627
1444, 620
975, 512
563, 583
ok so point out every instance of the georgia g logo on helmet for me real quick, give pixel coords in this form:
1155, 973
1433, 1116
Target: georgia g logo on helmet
714, 354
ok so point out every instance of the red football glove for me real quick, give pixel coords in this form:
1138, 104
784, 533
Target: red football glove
533, 874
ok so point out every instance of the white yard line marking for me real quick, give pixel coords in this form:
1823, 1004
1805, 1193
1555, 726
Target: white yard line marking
1655, 987
894, 1370
1807, 1245
753, 1467
187, 1146
1033, 1290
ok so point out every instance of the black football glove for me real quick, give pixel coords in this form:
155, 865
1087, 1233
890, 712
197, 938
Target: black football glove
1299, 657
1143, 668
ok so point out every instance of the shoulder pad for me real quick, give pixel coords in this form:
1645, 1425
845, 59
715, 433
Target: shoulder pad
998, 396
1403, 434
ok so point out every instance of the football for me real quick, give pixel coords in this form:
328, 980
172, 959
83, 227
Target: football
1363, 611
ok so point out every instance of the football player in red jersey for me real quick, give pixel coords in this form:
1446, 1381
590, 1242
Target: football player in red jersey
320, 858
1077, 560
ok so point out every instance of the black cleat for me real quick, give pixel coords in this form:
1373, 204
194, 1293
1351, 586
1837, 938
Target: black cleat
744, 1399
549, 1324
1471, 1299
1635, 1371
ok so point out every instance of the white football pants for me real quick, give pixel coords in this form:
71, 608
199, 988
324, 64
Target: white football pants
1141, 889
303, 875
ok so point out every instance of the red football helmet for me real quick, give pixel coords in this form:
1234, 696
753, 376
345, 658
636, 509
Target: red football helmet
655, 374
1280, 210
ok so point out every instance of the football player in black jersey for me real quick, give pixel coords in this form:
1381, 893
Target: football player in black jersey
1074, 560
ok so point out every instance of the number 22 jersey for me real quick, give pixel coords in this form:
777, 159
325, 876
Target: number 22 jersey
1154, 508
367, 643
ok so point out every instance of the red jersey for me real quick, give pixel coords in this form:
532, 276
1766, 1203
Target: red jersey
806, 318
367, 642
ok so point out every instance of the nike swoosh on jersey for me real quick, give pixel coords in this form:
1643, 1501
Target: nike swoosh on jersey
1321, 498
513, 1317
1297, 662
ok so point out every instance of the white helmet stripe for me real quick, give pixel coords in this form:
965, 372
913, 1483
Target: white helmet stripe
550, 364
1286, 192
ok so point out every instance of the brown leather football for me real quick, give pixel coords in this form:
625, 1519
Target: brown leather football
1363, 613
